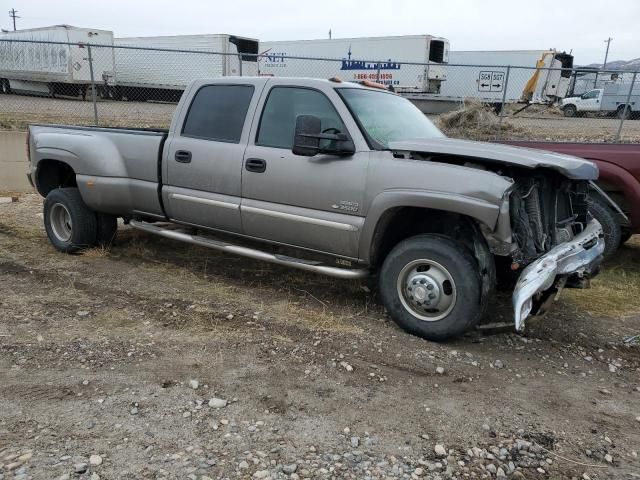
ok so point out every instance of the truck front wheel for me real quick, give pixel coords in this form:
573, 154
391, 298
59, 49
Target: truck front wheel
70, 224
570, 110
431, 287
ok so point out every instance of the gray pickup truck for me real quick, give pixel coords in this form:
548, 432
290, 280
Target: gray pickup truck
337, 178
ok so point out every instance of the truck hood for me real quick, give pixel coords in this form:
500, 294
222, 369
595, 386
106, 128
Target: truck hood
572, 167
568, 100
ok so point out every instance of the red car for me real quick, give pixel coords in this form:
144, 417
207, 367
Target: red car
616, 197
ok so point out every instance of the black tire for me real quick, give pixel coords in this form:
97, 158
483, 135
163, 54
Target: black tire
116, 93
5, 86
570, 110
624, 112
80, 231
612, 230
107, 229
460, 316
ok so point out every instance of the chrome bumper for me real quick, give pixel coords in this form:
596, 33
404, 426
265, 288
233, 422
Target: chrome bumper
577, 256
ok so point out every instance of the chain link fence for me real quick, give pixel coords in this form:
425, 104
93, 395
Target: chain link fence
129, 86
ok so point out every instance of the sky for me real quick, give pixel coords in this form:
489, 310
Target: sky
578, 25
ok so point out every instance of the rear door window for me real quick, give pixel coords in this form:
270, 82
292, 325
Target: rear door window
217, 112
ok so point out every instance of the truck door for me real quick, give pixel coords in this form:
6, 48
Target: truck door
203, 159
310, 202
590, 101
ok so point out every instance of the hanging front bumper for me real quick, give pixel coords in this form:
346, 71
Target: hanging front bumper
579, 257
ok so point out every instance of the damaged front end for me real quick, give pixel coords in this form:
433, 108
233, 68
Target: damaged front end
555, 238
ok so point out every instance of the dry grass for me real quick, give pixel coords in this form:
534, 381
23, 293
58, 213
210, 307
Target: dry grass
477, 121
615, 291
11, 193
20, 122
95, 252
534, 110
315, 319
135, 244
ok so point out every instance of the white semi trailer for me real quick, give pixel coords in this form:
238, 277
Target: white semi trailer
37, 67
377, 59
534, 76
159, 68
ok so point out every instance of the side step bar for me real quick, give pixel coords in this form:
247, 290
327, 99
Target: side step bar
300, 264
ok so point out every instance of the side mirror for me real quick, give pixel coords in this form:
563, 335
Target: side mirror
308, 134
306, 140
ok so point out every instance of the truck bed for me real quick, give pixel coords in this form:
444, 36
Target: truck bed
116, 168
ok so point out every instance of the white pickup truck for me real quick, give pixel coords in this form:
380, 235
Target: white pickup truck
611, 99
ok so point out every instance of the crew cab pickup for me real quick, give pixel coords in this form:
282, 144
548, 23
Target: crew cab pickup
337, 178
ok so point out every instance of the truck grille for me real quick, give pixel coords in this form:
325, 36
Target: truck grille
546, 212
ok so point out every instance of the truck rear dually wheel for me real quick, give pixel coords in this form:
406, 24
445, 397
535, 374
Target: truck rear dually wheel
5, 86
624, 112
431, 287
107, 227
70, 224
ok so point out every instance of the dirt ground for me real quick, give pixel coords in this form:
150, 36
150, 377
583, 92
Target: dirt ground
100, 354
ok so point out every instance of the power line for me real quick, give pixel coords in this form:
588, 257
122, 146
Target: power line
12, 14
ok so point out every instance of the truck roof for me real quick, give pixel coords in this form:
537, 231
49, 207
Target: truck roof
301, 81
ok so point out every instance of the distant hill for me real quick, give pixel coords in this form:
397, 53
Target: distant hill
618, 65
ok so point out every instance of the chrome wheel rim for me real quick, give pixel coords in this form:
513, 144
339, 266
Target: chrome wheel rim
427, 290
60, 220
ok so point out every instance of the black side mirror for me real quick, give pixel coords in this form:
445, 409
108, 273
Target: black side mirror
307, 136
306, 140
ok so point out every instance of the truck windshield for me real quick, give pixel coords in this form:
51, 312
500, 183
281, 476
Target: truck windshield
386, 117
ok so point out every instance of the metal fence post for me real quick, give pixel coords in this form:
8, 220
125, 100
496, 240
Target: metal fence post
378, 74
504, 99
240, 64
93, 87
627, 107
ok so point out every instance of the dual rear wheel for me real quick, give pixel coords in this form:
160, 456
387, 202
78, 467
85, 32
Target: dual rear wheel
71, 225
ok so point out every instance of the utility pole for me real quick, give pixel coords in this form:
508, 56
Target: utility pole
12, 14
606, 56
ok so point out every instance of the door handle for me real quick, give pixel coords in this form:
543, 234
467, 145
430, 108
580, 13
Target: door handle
183, 156
256, 165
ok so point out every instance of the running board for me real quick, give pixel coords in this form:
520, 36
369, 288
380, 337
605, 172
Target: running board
300, 264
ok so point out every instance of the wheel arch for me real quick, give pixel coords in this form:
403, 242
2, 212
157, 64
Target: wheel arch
396, 215
52, 173
402, 222
623, 187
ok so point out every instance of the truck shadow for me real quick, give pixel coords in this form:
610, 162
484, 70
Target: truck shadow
580, 316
